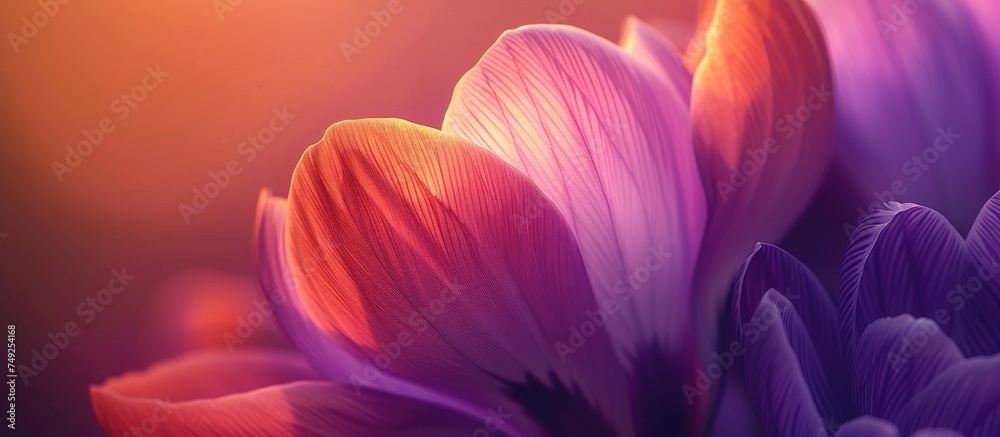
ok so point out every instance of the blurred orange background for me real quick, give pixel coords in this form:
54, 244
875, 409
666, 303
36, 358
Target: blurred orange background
227, 65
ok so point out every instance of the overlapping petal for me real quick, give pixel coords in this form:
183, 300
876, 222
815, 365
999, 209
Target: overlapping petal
769, 269
649, 46
783, 370
868, 426
904, 262
906, 258
420, 251
902, 259
257, 393
335, 357
898, 357
917, 101
963, 398
976, 300
762, 115
606, 136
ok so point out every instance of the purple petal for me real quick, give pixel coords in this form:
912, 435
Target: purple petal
908, 259
985, 12
975, 302
867, 426
965, 398
898, 357
902, 259
915, 108
937, 432
769, 269
783, 370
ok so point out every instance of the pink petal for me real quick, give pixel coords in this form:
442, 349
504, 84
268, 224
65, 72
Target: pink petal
649, 46
258, 393
606, 137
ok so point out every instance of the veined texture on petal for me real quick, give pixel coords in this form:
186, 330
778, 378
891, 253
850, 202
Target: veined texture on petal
606, 136
868, 426
908, 259
916, 101
964, 398
783, 370
770, 270
332, 354
424, 267
903, 259
258, 393
762, 115
898, 357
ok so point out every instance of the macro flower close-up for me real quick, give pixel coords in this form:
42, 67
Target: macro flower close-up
736, 218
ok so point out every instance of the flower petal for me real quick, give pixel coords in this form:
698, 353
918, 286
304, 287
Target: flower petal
902, 259
335, 356
868, 426
762, 118
648, 45
769, 269
976, 301
909, 259
898, 357
937, 432
782, 370
964, 398
606, 136
984, 11
423, 268
211, 374
916, 102
256, 393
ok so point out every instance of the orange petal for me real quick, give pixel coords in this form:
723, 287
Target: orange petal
762, 115
420, 261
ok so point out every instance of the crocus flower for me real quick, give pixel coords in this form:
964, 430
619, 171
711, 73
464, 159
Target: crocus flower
911, 348
529, 268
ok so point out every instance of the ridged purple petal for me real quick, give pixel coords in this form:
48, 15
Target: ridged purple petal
975, 302
769, 269
902, 259
868, 426
907, 259
898, 357
965, 398
783, 370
